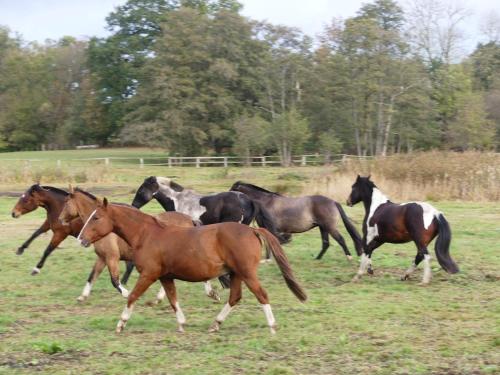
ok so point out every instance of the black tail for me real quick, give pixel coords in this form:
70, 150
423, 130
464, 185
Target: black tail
265, 220
442, 245
351, 229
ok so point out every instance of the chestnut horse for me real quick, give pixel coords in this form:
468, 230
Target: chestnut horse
52, 199
399, 223
111, 249
165, 253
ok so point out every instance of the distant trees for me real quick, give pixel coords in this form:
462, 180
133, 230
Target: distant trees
196, 77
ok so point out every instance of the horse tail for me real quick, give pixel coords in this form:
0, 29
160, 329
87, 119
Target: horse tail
273, 245
351, 229
265, 220
442, 245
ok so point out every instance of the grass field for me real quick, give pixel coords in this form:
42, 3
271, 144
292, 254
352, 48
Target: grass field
378, 326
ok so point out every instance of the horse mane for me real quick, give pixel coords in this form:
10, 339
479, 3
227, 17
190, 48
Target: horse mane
49, 188
167, 181
90, 195
255, 187
156, 220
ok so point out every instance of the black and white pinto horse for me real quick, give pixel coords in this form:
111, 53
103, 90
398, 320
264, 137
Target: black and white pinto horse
390, 222
298, 215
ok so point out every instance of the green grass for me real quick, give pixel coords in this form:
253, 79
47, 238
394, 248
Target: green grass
378, 326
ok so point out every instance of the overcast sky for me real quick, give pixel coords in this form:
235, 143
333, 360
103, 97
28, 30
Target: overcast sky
51, 19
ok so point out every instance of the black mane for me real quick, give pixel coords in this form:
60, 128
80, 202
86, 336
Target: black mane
254, 187
90, 195
49, 188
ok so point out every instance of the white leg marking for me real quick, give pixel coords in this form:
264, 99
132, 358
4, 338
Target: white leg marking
181, 319
85, 292
35, 271
220, 318
365, 261
208, 288
271, 322
127, 312
123, 291
409, 271
427, 269
161, 295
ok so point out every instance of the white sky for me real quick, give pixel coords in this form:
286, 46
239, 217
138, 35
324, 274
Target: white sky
51, 19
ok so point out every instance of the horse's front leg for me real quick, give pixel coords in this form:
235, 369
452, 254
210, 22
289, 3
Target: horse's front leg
44, 228
366, 259
94, 274
57, 238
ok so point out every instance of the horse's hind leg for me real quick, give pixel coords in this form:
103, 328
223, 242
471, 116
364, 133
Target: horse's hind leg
211, 292
94, 274
340, 240
234, 298
325, 242
44, 228
169, 287
57, 238
128, 270
253, 284
418, 258
140, 287
113, 264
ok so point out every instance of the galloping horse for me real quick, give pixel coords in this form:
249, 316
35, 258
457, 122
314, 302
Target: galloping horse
111, 248
191, 254
52, 199
298, 215
399, 223
208, 209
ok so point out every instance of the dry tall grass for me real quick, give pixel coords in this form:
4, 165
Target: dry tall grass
471, 176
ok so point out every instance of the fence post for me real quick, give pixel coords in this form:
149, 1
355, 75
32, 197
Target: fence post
141, 162
170, 162
225, 161
106, 161
58, 163
197, 162
304, 160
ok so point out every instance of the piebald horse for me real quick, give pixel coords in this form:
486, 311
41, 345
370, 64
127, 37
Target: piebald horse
301, 214
111, 248
386, 221
165, 253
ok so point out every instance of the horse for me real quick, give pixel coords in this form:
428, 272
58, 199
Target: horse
298, 215
390, 222
166, 253
208, 209
111, 249
52, 199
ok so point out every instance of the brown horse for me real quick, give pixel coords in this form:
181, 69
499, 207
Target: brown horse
52, 199
166, 253
111, 248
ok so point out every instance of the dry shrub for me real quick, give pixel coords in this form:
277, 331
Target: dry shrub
471, 176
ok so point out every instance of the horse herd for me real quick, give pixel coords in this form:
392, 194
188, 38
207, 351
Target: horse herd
202, 237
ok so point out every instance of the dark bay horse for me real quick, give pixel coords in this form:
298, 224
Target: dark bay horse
208, 209
399, 223
52, 200
298, 215
111, 248
166, 253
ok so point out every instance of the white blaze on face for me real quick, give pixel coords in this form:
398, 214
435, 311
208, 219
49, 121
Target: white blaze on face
378, 198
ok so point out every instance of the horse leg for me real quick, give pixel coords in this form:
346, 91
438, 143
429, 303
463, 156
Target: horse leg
211, 292
426, 279
113, 264
418, 258
340, 240
234, 298
94, 274
169, 287
253, 284
366, 259
325, 242
143, 283
160, 296
44, 228
57, 238
128, 270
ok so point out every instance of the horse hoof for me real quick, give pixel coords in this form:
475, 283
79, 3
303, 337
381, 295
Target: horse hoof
370, 271
424, 283
120, 326
355, 279
214, 295
349, 258
35, 271
81, 299
180, 329
405, 277
273, 330
20, 251
125, 293
214, 327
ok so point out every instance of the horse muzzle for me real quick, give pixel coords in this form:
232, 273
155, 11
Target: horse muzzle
348, 202
15, 214
84, 242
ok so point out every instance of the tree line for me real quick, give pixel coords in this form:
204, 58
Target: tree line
196, 77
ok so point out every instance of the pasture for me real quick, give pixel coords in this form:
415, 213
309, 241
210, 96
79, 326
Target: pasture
378, 326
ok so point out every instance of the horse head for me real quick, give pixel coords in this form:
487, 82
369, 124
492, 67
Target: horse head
98, 225
29, 201
360, 190
145, 192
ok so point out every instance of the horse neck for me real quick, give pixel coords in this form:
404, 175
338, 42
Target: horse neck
131, 224
85, 205
52, 202
256, 195
372, 201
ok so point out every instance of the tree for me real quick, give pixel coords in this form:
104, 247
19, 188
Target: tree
290, 133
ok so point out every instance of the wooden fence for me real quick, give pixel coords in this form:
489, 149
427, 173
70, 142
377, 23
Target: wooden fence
201, 161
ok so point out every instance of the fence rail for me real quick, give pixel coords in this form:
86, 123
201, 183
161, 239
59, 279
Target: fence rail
202, 161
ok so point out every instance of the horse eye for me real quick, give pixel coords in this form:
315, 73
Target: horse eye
95, 218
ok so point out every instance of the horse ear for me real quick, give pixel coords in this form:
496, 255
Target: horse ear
368, 176
105, 202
